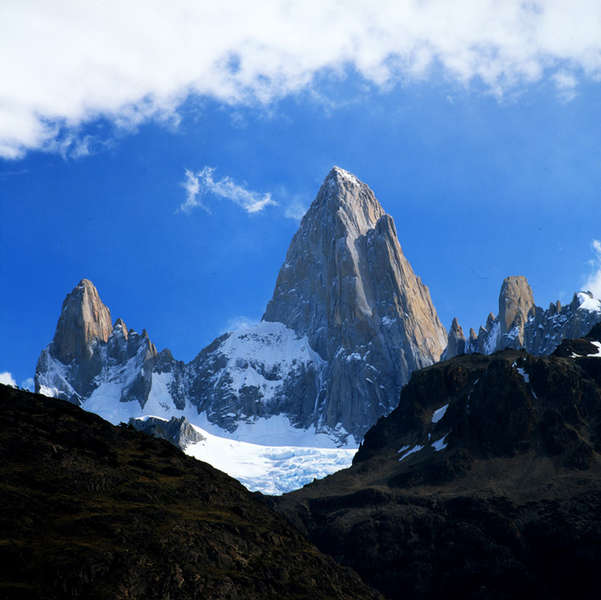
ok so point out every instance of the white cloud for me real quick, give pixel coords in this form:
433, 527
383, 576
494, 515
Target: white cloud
67, 62
202, 182
593, 282
7, 379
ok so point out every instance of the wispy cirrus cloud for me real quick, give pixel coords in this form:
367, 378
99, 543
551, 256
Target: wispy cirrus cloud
192, 186
201, 183
68, 63
295, 210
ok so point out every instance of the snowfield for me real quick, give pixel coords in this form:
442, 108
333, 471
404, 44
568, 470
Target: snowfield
253, 351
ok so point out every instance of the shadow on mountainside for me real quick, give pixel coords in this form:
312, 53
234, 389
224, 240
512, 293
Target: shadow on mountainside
485, 482
89, 510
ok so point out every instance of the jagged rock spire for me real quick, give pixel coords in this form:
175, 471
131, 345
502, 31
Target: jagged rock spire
522, 324
83, 320
515, 303
345, 267
85, 343
456, 341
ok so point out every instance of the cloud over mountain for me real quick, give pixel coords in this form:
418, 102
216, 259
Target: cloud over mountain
6, 378
203, 182
67, 63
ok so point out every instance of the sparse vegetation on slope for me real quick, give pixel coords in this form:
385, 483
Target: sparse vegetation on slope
89, 510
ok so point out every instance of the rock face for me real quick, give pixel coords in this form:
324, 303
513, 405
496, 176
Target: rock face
516, 301
522, 324
84, 323
484, 482
94, 511
348, 322
84, 320
347, 286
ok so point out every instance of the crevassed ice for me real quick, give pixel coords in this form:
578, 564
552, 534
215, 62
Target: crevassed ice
269, 469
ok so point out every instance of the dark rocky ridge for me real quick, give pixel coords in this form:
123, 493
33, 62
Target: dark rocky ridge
503, 500
522, 324
93, 511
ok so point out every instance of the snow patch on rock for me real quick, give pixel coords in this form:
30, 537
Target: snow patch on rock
439, 413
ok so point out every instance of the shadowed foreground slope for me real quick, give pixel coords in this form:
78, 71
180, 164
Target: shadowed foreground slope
89, 510
484, 483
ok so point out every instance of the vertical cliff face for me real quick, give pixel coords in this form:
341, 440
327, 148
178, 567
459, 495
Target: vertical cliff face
348, 322
84, 319
516, 302
522, 324
348, 287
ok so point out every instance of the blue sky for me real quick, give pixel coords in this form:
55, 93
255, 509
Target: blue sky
490, 165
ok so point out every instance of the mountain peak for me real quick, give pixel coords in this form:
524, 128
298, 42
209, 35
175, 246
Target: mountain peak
515, 300
456, 340
84, 318
340, 174
344, 207
347, 286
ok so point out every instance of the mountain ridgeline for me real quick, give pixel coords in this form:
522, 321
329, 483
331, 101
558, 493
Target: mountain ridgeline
348, 322
521, 324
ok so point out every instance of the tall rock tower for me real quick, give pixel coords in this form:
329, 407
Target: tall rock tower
348, 287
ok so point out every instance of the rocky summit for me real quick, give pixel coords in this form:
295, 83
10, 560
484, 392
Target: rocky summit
485, 482
521, 324
87, 351
348, 322
348, 288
